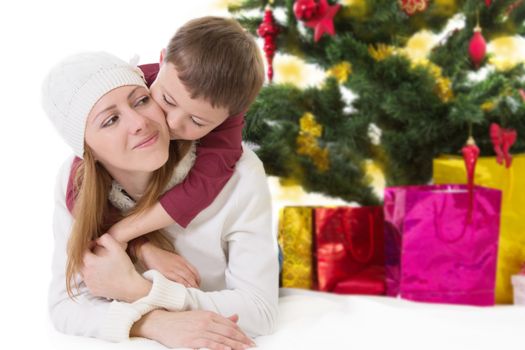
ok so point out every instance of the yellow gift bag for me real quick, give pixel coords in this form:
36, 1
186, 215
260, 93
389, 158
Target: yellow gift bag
511, 181
295, 238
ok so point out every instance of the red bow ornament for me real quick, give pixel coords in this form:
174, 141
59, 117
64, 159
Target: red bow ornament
502, 140
323, 20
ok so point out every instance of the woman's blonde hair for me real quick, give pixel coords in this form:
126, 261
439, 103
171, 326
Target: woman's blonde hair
94, 215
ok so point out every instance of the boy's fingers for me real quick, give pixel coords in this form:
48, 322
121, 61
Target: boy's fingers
191, 270
233, 318
176, 277
195, 273
108, 242
189, 276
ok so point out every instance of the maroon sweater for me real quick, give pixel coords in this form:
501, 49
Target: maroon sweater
217, 154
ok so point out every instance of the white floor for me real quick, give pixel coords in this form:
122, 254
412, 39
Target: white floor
313, 320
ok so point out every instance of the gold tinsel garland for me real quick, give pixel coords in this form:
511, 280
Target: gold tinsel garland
307, 143
341, 71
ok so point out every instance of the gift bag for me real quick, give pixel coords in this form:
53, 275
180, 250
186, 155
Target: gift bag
295, 239
349, 250
439, 246
510, 181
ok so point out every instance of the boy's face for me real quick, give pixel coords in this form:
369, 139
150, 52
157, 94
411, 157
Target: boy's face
187, 118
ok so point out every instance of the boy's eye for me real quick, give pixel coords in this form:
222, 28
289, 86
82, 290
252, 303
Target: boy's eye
110, 121
196, 123
168, 102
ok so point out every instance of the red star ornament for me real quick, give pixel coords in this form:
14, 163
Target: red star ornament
323, 22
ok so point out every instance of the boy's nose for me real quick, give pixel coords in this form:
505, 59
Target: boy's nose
174, 121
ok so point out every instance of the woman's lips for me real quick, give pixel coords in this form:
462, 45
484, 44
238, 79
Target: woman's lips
150, 140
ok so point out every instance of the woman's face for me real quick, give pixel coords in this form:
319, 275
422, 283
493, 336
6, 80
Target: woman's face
127, 131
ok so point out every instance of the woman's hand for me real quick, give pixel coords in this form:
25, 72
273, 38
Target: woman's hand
192, 329
108, 272
170, 265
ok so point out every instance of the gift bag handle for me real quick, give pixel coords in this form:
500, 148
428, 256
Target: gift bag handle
438, 219
350, 242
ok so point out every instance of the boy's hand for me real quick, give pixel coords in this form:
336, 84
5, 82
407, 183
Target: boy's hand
171, 265
122, 245
113, 233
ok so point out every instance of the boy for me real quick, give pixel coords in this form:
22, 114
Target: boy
208, 76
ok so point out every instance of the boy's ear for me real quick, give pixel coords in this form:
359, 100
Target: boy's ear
162, 55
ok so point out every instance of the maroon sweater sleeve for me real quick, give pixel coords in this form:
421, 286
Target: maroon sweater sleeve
217, 154
150, 72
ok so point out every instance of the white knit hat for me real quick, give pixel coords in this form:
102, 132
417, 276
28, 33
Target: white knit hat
73, 87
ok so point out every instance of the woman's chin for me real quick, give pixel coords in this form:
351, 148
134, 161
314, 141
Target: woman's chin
155, 161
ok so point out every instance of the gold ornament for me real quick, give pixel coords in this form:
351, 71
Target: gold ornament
380, 52
356, 9
307, 143
444, 8
443, 87
309, 125
321, 159
488, 106
341, 71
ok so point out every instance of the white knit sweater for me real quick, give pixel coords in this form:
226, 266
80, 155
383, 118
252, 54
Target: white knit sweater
230, 243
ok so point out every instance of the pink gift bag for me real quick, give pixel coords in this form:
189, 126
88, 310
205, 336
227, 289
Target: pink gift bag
441, 244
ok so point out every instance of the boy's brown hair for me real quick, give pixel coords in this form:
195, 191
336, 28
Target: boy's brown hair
217, 60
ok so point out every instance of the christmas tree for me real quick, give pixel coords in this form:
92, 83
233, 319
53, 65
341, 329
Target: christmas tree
407, 109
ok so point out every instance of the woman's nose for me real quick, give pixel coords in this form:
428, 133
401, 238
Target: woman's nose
138, 122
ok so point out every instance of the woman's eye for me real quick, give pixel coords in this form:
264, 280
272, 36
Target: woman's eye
110, 121
142, 101
168, 102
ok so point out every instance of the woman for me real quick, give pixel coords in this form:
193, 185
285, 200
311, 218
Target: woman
102, 109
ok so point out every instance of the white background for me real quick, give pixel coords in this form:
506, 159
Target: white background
34, 35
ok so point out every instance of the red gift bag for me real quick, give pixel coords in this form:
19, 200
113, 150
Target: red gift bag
350, 250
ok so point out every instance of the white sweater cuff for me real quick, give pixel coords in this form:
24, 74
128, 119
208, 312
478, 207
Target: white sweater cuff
121, 317
164, 293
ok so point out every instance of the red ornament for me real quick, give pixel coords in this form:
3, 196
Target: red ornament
412, 6
322, 22
268, 30
305, 10
477, 47
488, 2
470, 156
502, 140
